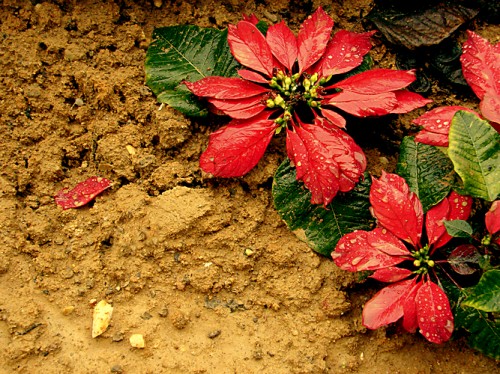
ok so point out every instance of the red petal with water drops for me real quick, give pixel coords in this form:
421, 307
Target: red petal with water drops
408, 101
225, 88
490, 108
235, 149
252, 76
410, 318
327, 161
434, 313
283, 44
362, 105
377, 81
313, 38
436, 125
453, 207
250, 48
344, 52
397, 208
481, 65
369, 250
391, 274
387, 304
252, 18
240, 108
82, 193
492, 218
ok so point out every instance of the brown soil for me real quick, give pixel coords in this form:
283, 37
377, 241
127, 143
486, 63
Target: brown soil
203, 268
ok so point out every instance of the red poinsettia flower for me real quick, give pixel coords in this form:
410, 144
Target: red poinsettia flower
481, 68
412, 294
288, 85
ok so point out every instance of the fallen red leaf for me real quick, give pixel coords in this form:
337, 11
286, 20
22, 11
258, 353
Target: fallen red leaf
82, 193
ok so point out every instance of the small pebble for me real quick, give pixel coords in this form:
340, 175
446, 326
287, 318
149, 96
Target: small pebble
118, 336
78, 102
146, 316
137, 341
117, 369
214, 334
67, 310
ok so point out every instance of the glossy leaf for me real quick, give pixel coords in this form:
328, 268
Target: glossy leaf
240, 108
225, 88
235, 149
344, 52
492, 218
320, 228
82, 193
434, 313
475, 152
408, 101
485, 295
362, 105
283, 44
427, 170
326, 161
436, 125
377, 81
369, 250
458, 228
250, 48
252, 76
387, 305
397, 208
410, 315
391, 274
179, 53
313, 38
463, 258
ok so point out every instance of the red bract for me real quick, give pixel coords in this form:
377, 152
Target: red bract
492, 220
82, 193
412, 294
287, 85
481, 68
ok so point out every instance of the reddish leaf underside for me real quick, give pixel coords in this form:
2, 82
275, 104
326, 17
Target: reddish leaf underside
451, 208
369, 250
436, 125
434, 313
283, 44
462, 257
492, 218
313, 38
332, 118
225, 88
377, 81
397, 208
82, 193
235, 149
344, 52
253, 76
387, 304
407, 101
327, 161
490, 108
362, 105
250, 48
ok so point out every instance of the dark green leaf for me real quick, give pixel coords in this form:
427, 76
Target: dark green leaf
484, 332
427, 170
320, 228
458, 228
179, 53
485, 295
474, 149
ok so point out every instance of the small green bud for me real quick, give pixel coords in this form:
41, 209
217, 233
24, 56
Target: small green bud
313, 103
313, 92
417, 263
486, 240
287, 83
270, 103
314, 78
280, 75
307, 84
278, 100
431, 263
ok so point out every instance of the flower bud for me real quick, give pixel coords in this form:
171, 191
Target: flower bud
314, 78
417, 263
431, 263
270, 103
307, 84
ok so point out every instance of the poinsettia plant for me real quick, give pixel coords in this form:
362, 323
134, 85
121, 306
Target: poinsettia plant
297, 85
399, 254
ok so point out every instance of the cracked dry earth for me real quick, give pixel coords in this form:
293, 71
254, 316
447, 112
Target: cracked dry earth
203, 268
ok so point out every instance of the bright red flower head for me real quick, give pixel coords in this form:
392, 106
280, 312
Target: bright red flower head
289, 84
412, 295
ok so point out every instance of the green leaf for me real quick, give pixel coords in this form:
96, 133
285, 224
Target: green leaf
186, 52
320, 228
428, 171
474, 149
485, 295
484, 332
458, 228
